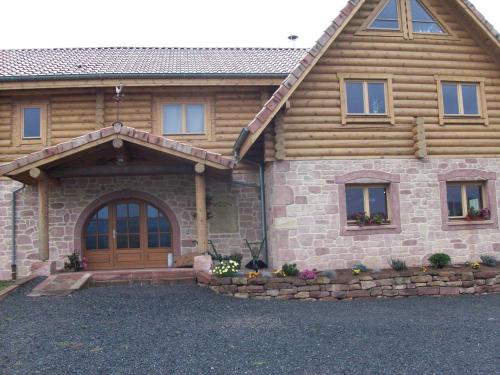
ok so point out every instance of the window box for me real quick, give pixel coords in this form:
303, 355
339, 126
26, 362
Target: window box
369, 202
468, 200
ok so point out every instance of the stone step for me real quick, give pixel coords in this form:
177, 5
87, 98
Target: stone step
66, 283
61, 284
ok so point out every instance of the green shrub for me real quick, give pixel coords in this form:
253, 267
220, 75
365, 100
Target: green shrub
440, 260
290, 269
398, 264
489, 260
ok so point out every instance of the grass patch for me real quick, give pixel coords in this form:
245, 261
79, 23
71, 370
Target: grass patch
5, 284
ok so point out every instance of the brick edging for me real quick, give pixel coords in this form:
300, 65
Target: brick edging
436, 283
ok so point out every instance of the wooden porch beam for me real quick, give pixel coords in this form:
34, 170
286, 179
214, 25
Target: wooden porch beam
201, 209
114, 170
43, 212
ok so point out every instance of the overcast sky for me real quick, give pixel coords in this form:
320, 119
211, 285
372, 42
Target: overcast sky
173, 23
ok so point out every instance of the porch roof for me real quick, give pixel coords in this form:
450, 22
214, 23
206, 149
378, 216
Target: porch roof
63, 152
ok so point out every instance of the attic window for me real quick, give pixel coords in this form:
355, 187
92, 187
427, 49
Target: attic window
422, 21
388, 18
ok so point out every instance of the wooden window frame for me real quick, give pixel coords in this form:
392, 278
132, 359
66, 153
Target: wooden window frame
406, 24
159, 103
370, 178
18, 131
366, 199
384, 118
468, 177
365, 28
463, 191
479, 119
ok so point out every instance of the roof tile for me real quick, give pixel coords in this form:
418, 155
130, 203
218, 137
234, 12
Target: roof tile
73, 63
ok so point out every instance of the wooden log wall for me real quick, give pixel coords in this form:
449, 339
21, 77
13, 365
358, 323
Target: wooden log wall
312, 126
74, 112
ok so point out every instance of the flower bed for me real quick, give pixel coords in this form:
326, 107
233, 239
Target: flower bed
450, 281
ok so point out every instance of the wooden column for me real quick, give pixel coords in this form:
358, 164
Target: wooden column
43, 212
201, 208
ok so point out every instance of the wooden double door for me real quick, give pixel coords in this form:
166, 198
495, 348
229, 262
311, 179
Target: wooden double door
127, 234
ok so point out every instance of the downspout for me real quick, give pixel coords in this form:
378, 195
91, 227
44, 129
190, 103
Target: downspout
14, 242
263, 218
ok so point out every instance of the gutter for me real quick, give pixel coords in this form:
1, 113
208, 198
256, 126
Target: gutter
263, 218
81, 76
14, 241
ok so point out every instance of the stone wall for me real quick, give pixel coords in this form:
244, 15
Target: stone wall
304, 220
381, 285
72, 196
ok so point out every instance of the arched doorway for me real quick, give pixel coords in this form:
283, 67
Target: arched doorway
128, 231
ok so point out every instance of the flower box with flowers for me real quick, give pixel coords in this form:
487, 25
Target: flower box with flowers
362, 219
478, 215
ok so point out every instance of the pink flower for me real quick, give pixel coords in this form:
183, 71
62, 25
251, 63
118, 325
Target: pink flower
307, 275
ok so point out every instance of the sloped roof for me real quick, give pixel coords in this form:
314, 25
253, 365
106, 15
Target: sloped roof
73, 63
168, 146
297, 75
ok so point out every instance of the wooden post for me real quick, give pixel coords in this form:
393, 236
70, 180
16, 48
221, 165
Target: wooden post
43, 212
201, 208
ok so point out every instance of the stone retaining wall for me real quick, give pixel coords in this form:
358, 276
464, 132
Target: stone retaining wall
404, 284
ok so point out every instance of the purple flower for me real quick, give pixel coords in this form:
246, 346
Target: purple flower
307, 275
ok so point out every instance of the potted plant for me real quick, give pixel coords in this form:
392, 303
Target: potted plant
478, 215
362, 219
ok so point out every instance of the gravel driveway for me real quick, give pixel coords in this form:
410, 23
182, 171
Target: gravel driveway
190, 330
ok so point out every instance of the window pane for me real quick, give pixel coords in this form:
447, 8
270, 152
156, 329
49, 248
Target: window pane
474, 197
454, 194
152, 225
152, 211
172, 119
388, 18
153, 240
103, 242
122, 241
423, 22
92, 226
133, 225
103, 226
165, 240
355, 97
385, 24
164, 225
469, 94
121, 225
134, 241
450, 98
195, 118
378, 200
426, 27
354, 201
91, 242
376, 97
31, 126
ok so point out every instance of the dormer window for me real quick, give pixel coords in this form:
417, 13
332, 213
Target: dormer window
422, 21
388, 18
